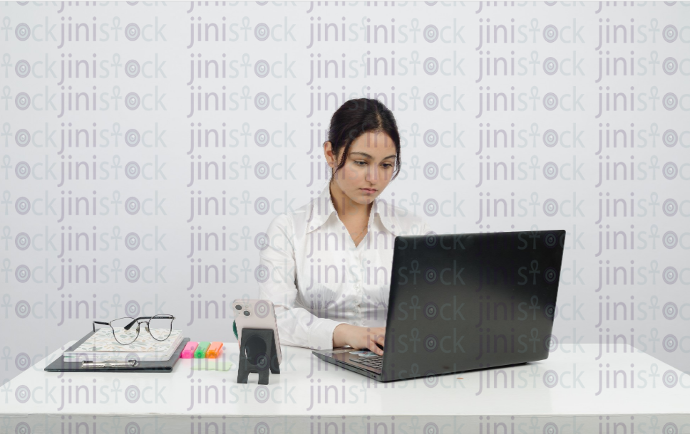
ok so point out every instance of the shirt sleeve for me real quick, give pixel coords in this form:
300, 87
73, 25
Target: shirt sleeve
297, 326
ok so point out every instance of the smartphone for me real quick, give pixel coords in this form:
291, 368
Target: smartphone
256, 314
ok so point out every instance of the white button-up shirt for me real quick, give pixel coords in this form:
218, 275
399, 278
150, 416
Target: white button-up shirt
317, 278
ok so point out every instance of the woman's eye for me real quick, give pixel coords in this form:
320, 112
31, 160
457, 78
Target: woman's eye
361, 163
387, 166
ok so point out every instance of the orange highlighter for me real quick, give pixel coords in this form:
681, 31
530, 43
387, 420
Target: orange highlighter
214, 350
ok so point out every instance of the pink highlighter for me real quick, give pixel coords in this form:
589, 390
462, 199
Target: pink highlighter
188, 351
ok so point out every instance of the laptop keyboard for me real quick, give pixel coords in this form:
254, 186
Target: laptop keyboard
372, 362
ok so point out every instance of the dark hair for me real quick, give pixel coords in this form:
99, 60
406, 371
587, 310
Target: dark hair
359, 116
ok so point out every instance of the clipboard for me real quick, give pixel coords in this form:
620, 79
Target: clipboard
60, 365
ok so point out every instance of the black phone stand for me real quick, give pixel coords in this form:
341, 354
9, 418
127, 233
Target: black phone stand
257, 355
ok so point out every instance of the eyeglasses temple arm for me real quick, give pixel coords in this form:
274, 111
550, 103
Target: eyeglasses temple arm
98, 322
129, 326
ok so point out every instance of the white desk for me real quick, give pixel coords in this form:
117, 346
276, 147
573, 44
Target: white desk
313, 397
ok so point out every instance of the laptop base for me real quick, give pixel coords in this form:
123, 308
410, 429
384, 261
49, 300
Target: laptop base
329, 358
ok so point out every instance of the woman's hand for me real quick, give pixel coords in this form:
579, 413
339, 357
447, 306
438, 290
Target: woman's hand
359, 337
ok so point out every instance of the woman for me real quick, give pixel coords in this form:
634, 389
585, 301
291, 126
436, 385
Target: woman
329, 262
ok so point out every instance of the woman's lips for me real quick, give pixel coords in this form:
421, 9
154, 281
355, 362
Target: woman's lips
368, 190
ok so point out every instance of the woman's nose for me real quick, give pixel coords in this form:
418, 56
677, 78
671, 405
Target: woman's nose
372, 174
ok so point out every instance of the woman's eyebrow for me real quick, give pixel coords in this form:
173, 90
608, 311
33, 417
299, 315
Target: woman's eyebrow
369, 156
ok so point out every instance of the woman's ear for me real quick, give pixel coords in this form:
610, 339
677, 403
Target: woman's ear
328, 154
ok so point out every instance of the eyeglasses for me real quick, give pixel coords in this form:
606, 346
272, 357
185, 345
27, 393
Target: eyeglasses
158, 326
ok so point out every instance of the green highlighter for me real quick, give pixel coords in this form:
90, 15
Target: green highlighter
200, 352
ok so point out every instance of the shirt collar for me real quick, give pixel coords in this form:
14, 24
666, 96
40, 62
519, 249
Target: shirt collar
322, 209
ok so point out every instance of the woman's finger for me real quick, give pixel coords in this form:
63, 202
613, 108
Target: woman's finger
375, 349
371, 343
381, 341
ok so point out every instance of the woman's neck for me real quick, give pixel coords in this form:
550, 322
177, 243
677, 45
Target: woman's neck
345, 206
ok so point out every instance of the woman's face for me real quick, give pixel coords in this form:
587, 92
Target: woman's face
368, 167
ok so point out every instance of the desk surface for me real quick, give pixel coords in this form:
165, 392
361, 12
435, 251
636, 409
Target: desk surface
573, 383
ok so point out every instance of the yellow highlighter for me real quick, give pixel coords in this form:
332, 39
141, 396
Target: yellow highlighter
214, 350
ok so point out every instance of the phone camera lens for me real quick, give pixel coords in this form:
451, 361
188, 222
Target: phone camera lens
246, 313
238, 307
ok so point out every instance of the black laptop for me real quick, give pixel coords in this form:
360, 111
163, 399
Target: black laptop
461, 302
